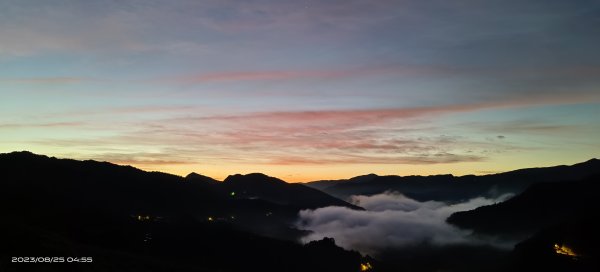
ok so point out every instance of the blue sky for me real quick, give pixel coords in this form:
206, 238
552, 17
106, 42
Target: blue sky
303, 89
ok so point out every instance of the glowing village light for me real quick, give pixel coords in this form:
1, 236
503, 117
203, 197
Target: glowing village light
365, 266
142, 217
564, 250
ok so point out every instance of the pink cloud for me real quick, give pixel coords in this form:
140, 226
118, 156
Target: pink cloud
398, 159
376, 136
351, 136
266, 75
146, 159
371, 130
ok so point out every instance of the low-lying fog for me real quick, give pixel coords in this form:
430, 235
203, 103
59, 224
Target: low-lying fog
392, 221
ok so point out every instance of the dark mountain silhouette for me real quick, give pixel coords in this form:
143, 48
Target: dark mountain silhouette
253, 186
540, 206
323, 184
131, 220
568, 246
195, 177
132, 189
459, 257
451, 188
266, 205
169, 246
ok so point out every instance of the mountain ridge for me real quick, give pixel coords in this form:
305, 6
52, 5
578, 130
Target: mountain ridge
125, 190
452, 188
541, 205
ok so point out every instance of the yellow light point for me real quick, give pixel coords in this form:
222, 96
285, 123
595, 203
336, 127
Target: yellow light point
564, 250
365, 266
143, 217
210, 219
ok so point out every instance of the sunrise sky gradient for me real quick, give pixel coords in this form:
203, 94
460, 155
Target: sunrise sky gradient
303, 90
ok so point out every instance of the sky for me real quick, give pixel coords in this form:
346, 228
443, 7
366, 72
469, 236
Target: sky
303, 90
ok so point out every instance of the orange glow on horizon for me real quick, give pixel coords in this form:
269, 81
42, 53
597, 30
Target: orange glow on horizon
307, 173
296, 173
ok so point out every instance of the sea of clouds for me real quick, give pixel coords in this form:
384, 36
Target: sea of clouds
390, 220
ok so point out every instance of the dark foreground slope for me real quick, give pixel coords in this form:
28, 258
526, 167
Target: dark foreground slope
567, 246
451, 188
542, 205
559, 222
130, 220
173, 246
34, 182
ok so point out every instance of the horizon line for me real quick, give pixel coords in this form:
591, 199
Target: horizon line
324, 179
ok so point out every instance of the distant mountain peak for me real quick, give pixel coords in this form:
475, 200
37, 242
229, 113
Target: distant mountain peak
23, 153
193, 176
364, 178
592, 160
253, 177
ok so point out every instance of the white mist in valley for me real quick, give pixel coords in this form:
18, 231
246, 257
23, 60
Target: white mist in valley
390, 220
